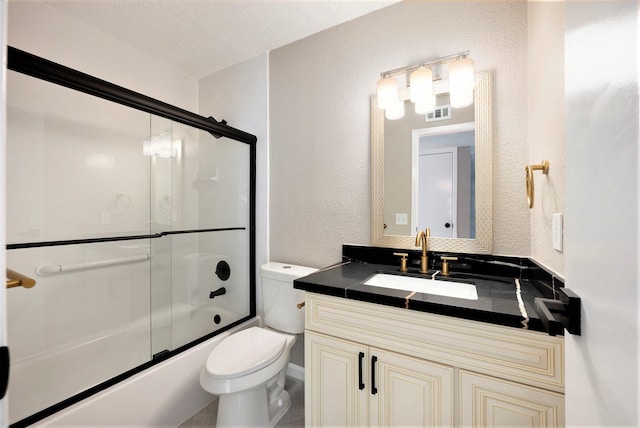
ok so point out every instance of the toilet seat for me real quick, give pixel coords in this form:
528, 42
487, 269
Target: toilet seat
245, 352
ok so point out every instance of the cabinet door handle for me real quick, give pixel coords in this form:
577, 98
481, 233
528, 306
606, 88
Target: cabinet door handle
360, 382
374, 390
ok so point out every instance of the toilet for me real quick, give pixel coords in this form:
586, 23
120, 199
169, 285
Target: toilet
247, 369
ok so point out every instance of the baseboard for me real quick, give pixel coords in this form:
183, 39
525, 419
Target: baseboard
295, 371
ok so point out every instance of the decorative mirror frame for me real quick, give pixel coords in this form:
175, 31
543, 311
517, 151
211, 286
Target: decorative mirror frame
484, 177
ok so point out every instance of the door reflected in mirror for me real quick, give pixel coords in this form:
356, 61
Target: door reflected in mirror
443, 180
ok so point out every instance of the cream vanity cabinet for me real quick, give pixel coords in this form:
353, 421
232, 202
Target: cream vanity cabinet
405, 392
373, 365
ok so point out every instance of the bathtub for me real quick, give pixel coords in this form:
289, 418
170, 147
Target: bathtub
165, 394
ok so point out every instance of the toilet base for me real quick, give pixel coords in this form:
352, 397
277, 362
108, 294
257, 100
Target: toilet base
278, 408
251, 409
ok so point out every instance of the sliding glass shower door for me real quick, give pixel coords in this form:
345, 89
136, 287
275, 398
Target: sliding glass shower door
200, 193
137, 230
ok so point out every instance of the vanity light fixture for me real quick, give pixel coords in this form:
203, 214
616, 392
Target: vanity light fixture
421, 88
395, 110
387, 91
461, 82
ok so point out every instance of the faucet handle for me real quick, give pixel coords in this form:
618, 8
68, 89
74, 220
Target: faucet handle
403, 261
445, 264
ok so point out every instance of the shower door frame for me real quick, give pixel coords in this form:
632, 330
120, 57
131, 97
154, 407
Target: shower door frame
34, 66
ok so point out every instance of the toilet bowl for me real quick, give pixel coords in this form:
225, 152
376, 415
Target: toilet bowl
247, 370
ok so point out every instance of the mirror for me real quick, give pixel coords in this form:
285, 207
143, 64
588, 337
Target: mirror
395, 193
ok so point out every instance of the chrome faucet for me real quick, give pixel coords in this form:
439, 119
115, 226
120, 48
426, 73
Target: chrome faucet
421, 240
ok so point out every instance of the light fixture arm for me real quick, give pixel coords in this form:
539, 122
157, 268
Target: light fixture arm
441, 60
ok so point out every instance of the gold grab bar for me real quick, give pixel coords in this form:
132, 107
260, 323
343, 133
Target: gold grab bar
15, 279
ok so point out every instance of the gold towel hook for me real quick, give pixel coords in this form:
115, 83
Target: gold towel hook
544, 167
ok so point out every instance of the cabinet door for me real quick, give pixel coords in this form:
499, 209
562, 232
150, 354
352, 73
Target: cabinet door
491, 402
335, 379
410, 392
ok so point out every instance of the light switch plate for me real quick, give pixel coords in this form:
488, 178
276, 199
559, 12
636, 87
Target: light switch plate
402, 219
557, 231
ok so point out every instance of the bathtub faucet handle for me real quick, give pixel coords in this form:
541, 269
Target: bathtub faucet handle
219, 292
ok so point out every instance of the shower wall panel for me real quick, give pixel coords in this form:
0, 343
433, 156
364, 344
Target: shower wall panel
76, 168
75, 330
223, 183
194, 278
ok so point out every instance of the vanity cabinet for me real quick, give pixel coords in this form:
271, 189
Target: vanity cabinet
489, 402
373, 365
358, 385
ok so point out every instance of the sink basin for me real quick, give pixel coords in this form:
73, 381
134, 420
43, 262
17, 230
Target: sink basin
427, 285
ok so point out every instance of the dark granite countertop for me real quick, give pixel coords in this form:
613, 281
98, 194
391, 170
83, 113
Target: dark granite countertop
499, 299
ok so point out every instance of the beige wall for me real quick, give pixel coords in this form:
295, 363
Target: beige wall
546, 125
319, 120
41, 30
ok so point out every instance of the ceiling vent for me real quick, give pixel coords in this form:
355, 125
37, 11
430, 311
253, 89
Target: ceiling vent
439, 113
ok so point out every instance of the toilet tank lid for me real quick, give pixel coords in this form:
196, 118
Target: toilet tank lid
284, 271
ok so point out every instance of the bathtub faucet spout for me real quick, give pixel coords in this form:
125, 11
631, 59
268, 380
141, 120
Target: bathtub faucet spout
219, 292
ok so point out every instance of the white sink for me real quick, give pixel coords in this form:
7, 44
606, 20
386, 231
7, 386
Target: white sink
424, 285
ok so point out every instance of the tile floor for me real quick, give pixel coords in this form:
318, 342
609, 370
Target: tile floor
293, 418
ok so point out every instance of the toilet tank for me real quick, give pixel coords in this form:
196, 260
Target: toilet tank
280, 299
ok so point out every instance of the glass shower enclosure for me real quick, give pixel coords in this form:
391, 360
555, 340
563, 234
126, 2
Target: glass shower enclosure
135, 219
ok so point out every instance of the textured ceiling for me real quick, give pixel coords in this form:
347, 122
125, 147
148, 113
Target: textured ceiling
200, 37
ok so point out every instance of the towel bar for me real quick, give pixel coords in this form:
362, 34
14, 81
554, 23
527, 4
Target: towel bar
544, 167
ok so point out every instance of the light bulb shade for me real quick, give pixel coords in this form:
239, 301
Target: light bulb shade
387, 92
460, 98
461, 73
420, 84
395, 111
461, 82
425, 104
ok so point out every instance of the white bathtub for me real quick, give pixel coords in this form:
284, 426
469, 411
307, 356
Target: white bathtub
163, 395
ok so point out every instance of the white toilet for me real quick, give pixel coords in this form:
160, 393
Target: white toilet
247, 369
